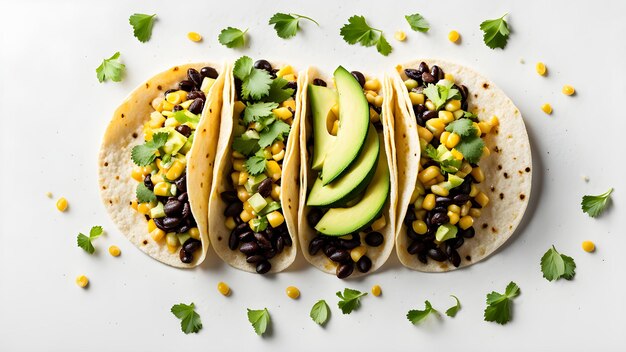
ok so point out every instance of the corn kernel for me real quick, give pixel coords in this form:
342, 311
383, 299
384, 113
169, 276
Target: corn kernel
400, 36
277, 147
428, 174
134, 204
482, 199
242, 194
223, 288
473, 191
589, 246
157, 234
285, 70
547, 108
410, 84
276, 192
162, 189
478, 174
157, 103
429, 202
449, 77
115, 251
151, 225
456, 154
238, 108
436, 126
444, 137
379, 223
144, 208
194, 37
290, 103
495, 121
378, 101
292, 292
238, 165
465, 208
275, 218
458, 114
373, 84
454, 208
374, 115
541, 69
474, 212
282, 113
485, 127
248, 207
416, 98
466, 222
230, 223
453, 105
272, 169
376, 290
439, 190
279, 156
419, 226
62, 204
175, 170
82, 281
420, 214
357, 253
452, 140
243, 177
568, 90
172, 249
486, 152
424, 133
234, 177
171, 239
453, 36
430, 105
335, 110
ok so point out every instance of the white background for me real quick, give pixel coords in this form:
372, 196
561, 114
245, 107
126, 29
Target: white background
54, 112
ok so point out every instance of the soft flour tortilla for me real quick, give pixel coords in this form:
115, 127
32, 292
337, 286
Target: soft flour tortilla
218, 232
379, 254
507, 170
115, 164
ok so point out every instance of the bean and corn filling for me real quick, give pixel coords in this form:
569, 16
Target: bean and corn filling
447, 199
253, 211
350, 251
161, 164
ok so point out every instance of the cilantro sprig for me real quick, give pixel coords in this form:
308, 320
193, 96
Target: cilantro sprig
350, 300
416, 316
499, 305
255, 165
441, 92
287, 24
358, 31
142, 26
111, 68
144, 154
471, 145
595, 205
320, 312
496, 32
84, 241
555, 265
451, 312
189, 320
260, 319
232, 37
255, 83
417, 22
144, 194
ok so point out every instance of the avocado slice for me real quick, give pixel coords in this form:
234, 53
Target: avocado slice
353, 181
322, 100
354, 120
343, 221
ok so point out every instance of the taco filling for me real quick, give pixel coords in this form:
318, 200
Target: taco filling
161, 164
349, 185
447, 199
262, 122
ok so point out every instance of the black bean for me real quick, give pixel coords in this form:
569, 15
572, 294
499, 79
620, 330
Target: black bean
464, 93
423, 67
287, 238
279, 244
436, 72
456, 242
359, 77
374, 239
340, 255
439, 209
293, 85
183, 197
437, 254
430, 114
354, 242
186, 85
233, 240
329, 249
364, 264
249, 248
313, 217
173, 207
265, 187
262, 241
181, 183
439, 218
184, 130
159, 223
409, 217
413, 74
233, 209
196, 94
453, 256
319, 82
209, 72
263, 65
344, 270
194, 76
246, 236
183, 228
315, 245
185, 257
475, 204
263, 267
428, 78
412, 234
422, 257
229, 196
468, 233
171, 222
442, 201
465, 187
241, 228
177, 108
147, 181
416, 247
269, 253
192, 245
461, 199
254, 258
273, 73
196, 106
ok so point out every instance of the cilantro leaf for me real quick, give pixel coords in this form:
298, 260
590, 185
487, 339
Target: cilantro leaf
255, 165
111, 68
278, 93
471, 148
242, 68
462, 127
417, 316
95, 232
287, 25
555, 265
350, 300
595, 205
189, 319
232, 37
417, 22
245, 146
142, 26
496, 32
253, 112
259, 319
499, 305
256, 85
441, 92
144, 194
84, 241
447, 162
144, 154
358, 31
451, 312
320, 312
276, 131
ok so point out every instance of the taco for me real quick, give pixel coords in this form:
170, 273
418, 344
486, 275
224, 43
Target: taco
347, 194
254, 200
156, 159
464, 169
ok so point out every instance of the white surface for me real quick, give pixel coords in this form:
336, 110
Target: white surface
54, 112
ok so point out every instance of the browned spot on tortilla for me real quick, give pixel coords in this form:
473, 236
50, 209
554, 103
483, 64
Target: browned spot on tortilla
501, 195
159, 87
175, 68
485, 225
510, 227
204, 130
520, 172
104, 187
494, 230
111, 202
210, 110
506, 175
475, 95
147, 85
527, 169
106, 164
492, 188
404, 135
289, 206
201, 184
122, 115
499, 167
206, 156
468, 258
522, 196
496, 149
219, 238
130, 203
135, 135
486, 85
443, 266
117, 177
145, 242
482, 251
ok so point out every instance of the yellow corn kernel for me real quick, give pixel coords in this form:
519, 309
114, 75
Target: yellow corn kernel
234, 177
400, 36
272, 169
357, 253
482, 199
431, 183
429, 202
436, 126
420, 214
230, 223
282, 113
223, 288
144, 208
478, 174
419, 187
370, 98
292, 292
134, 204
238, 165
194, 37
452, 106
172, 249
466, 222
173, 98
115, 251
456, 154
242, 194
428, 174
243, 177
378, 102
473, 191
246, 216
410, 84
541, 69
547, 108
276, 192
374, 115
486, 152
194, 232
424, 134
151, 225
568, 90
439, 190
454, 208
171, 122
157, 103
279, 156
277, 147
454, 217
162, 189
419, 226
238, 108
589, 246
452, 140
440, 178
156, 122
430, 105
376, 290
465, 208
458, 114
416, 98
82, 281
416, 199
379, 223
495, 121
171, 239
285, 70
485, 127
444, 137
449, 77
167, 106
475, 213
62, 204
454, 36
275, 218
335, 128
175, 170
478, 131
290, 103
248, 207
237, 155
157, 234
373, 84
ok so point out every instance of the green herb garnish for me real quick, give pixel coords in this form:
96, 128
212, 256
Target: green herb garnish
496, 32
111, 68
189, 319
259, 319
144, 154
255, 83
441, 92
144, 194
555, 265
499, 305
287, 25
278, 93
417, 316
471, 146
417, 22
320, 312
451, 312
256, 111
276, 131
358, 31
245, 146
463, 127
232, 37
350, 300
595, 205
142, 26
84, 241
255, 165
